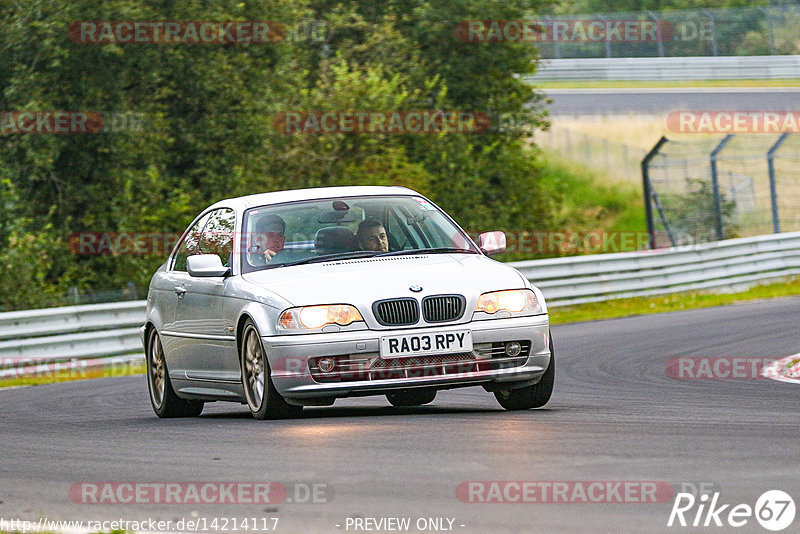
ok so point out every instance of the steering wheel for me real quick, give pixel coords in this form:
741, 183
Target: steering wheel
255, 256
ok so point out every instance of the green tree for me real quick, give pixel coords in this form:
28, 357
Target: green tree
209, 131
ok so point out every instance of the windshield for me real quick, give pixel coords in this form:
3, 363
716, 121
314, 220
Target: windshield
333, 229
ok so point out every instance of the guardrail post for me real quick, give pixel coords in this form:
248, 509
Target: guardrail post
648, 208
773, 189
715, 185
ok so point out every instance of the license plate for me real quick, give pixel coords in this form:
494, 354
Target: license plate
419, 344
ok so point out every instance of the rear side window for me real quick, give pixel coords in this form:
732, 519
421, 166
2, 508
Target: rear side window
211, 234
217, 236
190, 244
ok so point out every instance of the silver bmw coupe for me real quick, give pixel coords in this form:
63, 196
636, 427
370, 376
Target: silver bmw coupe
295, 298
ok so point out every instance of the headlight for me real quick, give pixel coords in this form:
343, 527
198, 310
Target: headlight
512, 300
315, 317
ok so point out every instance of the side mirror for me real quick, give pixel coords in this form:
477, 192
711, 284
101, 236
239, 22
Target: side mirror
492, 243
205, 265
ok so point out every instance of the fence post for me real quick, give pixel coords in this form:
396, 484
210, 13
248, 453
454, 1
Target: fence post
770, 34
607, 42
556, 44
715, 185
648, 208
587, 150
773, 189
660, 41
710, 16
131, 290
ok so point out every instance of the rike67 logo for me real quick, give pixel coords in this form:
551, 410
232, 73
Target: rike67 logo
774, 510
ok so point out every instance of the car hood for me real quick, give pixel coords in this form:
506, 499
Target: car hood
363, 281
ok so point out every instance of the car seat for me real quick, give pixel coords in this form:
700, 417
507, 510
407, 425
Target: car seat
335, 239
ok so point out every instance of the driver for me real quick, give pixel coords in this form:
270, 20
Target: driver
371, 235
269, 235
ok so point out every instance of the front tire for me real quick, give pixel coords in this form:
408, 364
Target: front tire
262, 398
163, 398
534, 396
411, 397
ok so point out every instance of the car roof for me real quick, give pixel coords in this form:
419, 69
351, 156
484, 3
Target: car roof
291, 195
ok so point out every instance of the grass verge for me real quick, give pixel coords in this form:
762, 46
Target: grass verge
591, 200
674, 302
589, 205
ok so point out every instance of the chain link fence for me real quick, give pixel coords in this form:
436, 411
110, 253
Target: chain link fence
747, 31
718, 187
615, 159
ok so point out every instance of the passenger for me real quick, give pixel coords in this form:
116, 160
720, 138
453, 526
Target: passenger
371, 235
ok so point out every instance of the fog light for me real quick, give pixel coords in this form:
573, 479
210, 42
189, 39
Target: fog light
326, 365
513, 348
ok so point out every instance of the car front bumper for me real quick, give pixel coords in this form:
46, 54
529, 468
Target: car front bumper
289, 355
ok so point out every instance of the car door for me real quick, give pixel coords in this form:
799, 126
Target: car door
208, 349
172, 289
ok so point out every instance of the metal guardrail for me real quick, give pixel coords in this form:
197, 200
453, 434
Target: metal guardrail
112, 330
70, 319
72, 332
721, 264
668, 68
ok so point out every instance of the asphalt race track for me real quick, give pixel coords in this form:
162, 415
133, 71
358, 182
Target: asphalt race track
615, 416
664, 100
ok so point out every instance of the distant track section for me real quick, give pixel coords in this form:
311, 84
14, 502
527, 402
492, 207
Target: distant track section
662, 100
668, 68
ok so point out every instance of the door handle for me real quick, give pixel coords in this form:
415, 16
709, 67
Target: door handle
180, 291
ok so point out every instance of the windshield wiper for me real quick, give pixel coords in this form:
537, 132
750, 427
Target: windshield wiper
332, 257
435, 250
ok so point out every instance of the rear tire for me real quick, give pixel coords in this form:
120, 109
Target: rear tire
534, 396
411, 397
163, 398
262, 398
